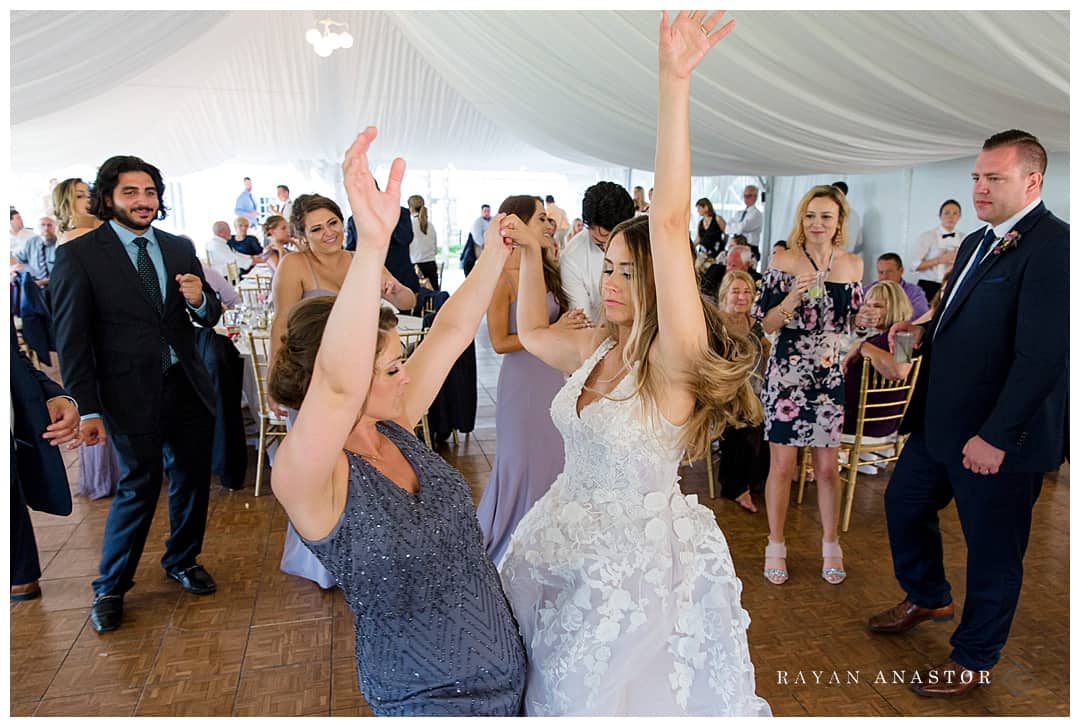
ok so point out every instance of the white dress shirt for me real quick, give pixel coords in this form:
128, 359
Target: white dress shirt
999, 232
580, 265
930, 244
747, 223
221, 255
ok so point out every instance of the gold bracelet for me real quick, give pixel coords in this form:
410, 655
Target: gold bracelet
785, 313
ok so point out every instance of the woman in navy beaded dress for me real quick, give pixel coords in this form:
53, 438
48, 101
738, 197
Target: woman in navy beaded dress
390, 519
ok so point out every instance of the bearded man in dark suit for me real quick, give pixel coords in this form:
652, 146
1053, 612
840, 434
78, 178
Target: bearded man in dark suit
124, 298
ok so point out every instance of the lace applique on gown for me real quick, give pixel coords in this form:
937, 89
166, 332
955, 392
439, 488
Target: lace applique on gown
622, 586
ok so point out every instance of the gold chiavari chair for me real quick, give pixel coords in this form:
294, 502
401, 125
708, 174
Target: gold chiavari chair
409, 341
880, 400
270, 424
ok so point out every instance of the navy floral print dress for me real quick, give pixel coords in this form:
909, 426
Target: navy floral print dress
804, 383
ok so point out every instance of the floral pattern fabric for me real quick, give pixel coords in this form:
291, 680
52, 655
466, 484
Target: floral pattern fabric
623, 587
804, 382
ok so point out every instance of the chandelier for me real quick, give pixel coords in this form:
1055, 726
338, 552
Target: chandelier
333, 35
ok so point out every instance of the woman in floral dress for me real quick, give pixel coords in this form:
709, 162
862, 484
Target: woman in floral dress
811, 294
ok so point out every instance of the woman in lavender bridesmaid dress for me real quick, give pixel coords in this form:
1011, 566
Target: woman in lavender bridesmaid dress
529, 453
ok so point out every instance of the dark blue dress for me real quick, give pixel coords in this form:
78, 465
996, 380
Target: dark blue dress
434, 631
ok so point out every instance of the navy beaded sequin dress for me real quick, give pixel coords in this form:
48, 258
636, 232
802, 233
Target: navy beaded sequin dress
434, 631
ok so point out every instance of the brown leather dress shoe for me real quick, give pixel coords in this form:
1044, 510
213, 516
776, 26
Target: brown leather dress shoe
906, 615
950, 680
25, 591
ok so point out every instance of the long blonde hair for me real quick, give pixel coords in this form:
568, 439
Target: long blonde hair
897, 304
416, 205
798, 237
63, 201
720, 382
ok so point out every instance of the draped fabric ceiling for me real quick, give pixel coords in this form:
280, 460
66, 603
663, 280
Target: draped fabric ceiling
787, 93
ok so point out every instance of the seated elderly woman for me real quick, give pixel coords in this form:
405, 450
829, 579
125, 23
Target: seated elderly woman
890, 299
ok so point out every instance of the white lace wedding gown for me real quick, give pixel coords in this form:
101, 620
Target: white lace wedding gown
622, 586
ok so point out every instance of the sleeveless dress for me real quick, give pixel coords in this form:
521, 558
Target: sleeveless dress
623, 587
434, 632
529, 451
804, 384
296, 559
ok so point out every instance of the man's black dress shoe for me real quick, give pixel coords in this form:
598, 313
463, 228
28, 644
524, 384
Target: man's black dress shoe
107, 613
194, 579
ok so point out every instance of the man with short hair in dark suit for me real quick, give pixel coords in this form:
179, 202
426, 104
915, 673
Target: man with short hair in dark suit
124, 298
988, 414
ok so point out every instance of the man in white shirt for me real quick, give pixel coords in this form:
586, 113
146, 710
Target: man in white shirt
284, 208
748, 221
854, 223
219, 254
19, 232
936, 249
604, 206
479, 227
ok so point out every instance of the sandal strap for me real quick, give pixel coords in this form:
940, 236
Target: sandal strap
776, 550
831, 550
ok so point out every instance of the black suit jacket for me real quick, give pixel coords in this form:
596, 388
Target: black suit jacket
108, 331
996, 359
398, 261
38, 465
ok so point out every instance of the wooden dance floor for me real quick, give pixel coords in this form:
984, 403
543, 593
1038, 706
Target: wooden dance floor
271, 644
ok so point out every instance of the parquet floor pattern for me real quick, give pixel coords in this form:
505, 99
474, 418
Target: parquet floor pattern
270, 644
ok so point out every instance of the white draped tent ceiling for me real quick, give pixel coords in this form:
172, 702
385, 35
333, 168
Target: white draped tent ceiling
787, 93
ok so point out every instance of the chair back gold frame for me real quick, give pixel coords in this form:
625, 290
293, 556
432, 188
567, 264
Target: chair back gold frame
410, 340
872, 384
270, 424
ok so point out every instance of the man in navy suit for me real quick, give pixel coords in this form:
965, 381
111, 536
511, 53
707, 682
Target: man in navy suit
124, 298
43, 417
987, 418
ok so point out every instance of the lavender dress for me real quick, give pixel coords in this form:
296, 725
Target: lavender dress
296, 559
529, 453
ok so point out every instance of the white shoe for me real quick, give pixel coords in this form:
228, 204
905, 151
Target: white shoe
869, 457
868, 469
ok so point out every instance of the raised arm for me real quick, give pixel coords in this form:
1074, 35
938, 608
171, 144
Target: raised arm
454, 328
304, 464
681, 320
558, 347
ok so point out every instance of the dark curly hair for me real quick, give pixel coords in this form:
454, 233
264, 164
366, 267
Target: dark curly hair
108, 177
606, 204
307, 203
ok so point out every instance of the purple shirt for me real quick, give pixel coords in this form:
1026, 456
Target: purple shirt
229, 296
917, 297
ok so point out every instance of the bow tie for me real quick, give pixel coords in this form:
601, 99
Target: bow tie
948, 234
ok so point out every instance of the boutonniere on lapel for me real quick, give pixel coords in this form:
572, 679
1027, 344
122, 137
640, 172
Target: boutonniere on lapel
1004, 244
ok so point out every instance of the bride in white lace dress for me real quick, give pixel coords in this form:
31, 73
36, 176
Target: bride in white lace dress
623, 587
